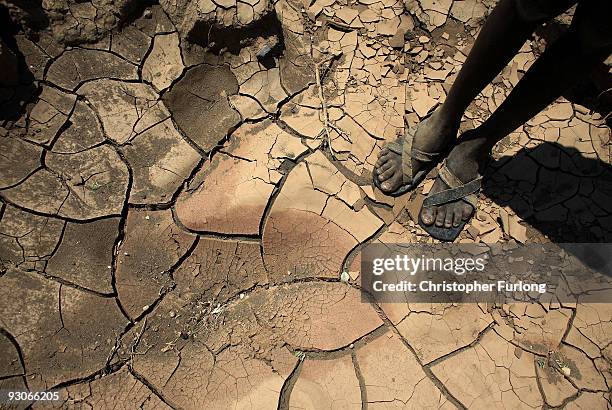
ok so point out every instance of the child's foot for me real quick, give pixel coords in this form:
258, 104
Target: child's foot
466, 161
433, 134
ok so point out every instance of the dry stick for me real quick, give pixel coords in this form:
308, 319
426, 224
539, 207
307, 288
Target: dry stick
324, 106
133, 351
112, 352
327, 124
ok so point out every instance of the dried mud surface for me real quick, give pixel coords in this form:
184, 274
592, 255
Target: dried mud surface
176, 211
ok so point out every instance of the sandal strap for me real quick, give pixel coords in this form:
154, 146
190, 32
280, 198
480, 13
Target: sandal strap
465, 192
395, 147
409, 153
457, 189
424, 156
448, 177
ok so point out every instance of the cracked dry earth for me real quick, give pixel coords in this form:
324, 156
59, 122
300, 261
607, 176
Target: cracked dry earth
176, 213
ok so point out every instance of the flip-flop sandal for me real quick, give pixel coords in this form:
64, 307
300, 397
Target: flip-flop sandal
457, 191
404, 148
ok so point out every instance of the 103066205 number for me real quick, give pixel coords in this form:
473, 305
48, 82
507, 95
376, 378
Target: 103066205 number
9, 396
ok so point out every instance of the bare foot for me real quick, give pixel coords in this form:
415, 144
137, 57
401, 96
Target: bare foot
466, 161
434, 134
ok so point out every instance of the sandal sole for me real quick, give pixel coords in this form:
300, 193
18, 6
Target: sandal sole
442, 233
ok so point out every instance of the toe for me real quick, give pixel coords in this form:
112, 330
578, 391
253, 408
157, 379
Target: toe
466, 211
441, 216
392, 183
383, 176
380, 162
428, 215
383, 152
450, 215
384, 157
384, 167
457, 217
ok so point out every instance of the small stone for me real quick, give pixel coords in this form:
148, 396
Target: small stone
422, 56
566, 371
347, 14
344, 277
512, 226
427, 185
368, 16
439, 75
492, 237
424, 39
423, 104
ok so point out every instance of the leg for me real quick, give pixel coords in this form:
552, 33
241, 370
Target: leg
561, 66
502, 35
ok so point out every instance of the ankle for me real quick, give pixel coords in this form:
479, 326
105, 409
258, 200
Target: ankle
450, 114
475, 146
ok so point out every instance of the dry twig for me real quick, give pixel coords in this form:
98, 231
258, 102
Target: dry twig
327, 124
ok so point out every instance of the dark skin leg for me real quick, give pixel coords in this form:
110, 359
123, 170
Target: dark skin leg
560, 67
501, 37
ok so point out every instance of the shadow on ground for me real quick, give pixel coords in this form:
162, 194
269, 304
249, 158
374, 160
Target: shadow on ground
20, 90
562, 193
